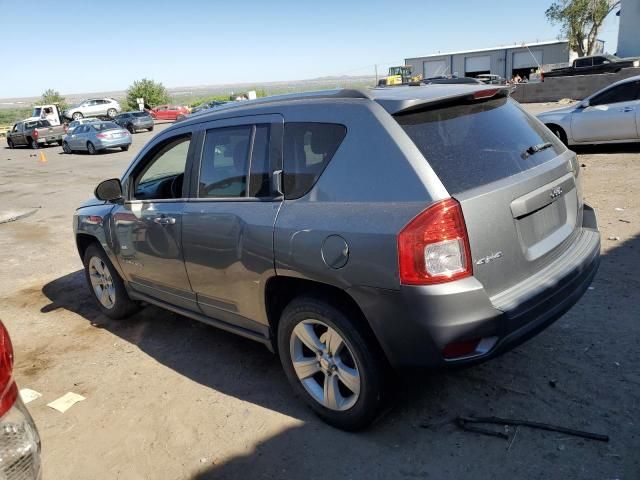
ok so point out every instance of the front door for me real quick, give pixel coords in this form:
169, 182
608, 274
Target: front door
148, 225
228, 226
610, 115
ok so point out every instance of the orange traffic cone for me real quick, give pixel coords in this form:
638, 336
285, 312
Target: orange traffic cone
42, 158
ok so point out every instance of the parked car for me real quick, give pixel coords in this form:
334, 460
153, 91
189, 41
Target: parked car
489, 79
135, 121
93, 107
445, 80
73, 124
208, 106
593, 65
611, 115
422, 226
96, 136
19, 438
169, 112
35, 133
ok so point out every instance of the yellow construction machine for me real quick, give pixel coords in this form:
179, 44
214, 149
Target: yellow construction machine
401, 75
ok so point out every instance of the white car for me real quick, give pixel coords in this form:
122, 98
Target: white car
82, 121
93, 107
611, 115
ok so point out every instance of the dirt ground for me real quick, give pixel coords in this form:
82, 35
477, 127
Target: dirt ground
170, 398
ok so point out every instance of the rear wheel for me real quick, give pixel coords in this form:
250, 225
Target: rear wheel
180, 118
91, 148
66, 148
60, 142
125, 148
32, 143
111, 113
10, 143
151, 129
106, 286
131, 129
77, 116
558, 132
331, 363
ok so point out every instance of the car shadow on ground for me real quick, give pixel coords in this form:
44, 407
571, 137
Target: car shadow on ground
606, 148
417, 438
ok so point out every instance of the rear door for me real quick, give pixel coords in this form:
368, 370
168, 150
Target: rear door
611, 115
521, 206
228, 224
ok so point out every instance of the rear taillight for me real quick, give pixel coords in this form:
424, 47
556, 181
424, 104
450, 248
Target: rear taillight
487, 93
8, 389
35, 133
102, 135
66, 128
434, 246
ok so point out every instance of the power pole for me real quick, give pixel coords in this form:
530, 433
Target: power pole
376, 70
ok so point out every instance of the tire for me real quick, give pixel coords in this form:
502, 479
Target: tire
91, 148
66, 148
103, 279
60, 142
558, 132
10, 143
131, 129
32, 144
358, 361
150, 129
179, 118
77, 116
125, 148
111, 113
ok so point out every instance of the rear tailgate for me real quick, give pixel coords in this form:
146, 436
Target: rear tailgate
521, 205
50, 134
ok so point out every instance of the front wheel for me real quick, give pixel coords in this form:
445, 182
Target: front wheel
125, 148
331, 362
106, 286
151, 129
66, 148
91, 148
10, 143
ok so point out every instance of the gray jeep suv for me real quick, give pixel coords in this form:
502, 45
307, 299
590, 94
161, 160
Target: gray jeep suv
350, 232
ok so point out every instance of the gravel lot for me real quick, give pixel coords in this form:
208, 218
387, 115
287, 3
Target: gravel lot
169, 398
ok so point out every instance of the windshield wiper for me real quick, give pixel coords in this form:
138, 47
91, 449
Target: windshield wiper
533, 149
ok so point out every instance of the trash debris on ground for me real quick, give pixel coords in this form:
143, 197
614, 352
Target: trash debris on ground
619, 209
65, 402
624, 221
614, 237
12, 216
27, 395
468, 424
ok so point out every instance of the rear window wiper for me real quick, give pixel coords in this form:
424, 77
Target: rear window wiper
533, 149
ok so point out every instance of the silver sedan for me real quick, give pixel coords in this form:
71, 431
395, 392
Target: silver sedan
611, 115
96, 136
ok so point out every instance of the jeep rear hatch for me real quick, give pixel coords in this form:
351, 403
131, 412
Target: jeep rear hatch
514, 180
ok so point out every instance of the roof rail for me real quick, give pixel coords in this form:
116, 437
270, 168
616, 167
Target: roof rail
335, 93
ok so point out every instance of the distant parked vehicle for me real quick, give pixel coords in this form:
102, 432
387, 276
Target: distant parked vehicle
75, 123
169, 112
135, 121
489, 79
446, 80
35, 133
593, 65
93, 107
611, 115
208, 106
94, 137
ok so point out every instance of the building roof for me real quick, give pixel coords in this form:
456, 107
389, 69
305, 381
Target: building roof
503, 47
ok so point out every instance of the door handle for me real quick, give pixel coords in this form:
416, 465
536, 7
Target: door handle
627, 109
164, 220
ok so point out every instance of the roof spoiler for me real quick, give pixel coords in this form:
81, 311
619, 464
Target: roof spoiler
411, 106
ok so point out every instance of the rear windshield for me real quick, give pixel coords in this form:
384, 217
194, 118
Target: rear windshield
104, 126
473, 144
37, 124
140, 114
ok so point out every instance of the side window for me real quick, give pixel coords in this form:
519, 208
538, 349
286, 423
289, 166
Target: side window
308, 148
225, 163
627, 92
583, 62
163, 172
259, 178
599, 60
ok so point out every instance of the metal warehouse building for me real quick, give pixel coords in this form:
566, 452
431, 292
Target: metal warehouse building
503, 61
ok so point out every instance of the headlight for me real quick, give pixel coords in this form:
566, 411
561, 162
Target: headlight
636, 63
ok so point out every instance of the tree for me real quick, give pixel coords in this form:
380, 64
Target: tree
580, 21
52, 96
153, 93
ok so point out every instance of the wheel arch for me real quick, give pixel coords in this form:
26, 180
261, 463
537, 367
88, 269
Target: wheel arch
552, 125
83, 240
281, 290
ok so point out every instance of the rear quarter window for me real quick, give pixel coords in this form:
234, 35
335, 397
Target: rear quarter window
308, 148
472, 144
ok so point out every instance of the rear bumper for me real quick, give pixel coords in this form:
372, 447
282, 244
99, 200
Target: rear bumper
115, 143
142, 125
415, 323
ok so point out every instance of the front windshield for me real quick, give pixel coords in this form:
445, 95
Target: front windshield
36, 112
613, 58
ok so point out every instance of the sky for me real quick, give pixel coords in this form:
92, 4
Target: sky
93, 46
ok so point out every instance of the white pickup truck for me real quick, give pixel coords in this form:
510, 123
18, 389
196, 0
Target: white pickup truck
51, 113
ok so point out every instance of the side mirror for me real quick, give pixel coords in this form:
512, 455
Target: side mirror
109, 190
583, 104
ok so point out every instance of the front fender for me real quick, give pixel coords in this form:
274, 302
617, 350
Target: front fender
95, 221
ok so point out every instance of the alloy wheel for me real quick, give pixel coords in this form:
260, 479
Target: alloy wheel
102, 282
325, 365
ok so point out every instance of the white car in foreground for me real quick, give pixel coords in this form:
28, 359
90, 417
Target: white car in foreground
611, 115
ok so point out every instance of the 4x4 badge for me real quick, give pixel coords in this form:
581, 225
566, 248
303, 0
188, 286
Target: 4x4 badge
489, 258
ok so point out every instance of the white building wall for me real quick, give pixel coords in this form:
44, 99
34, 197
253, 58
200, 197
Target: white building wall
629, 29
